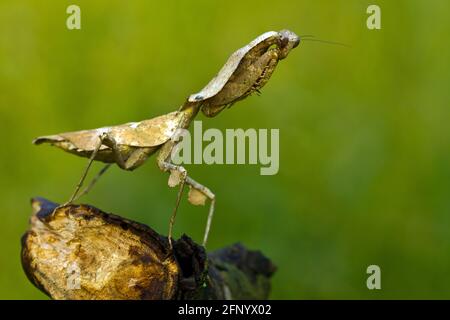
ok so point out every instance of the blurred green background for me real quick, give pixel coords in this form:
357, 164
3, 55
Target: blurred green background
364, 136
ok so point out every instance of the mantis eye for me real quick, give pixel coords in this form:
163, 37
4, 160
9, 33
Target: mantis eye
288, 41
284, 41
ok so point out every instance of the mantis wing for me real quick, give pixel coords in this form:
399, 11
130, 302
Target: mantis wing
147, 133
218, 82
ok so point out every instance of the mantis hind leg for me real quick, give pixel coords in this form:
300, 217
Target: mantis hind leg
86, 170
93, 182
134, 160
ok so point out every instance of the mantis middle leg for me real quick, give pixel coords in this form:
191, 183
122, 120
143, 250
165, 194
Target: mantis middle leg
165, 165
212, 197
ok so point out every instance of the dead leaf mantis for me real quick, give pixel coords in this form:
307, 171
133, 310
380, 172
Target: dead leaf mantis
129, 145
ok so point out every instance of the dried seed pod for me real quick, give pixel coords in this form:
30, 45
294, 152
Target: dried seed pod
78, 252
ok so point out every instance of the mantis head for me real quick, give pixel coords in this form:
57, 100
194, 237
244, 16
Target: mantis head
247, 70
289, 40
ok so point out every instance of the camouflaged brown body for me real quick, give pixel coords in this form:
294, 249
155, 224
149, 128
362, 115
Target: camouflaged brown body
147, 135
105, 154
246, 71
129, 145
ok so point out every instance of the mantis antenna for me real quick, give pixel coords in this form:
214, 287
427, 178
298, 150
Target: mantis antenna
312, 38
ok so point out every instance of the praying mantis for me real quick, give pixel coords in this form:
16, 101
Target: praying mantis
130, 145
